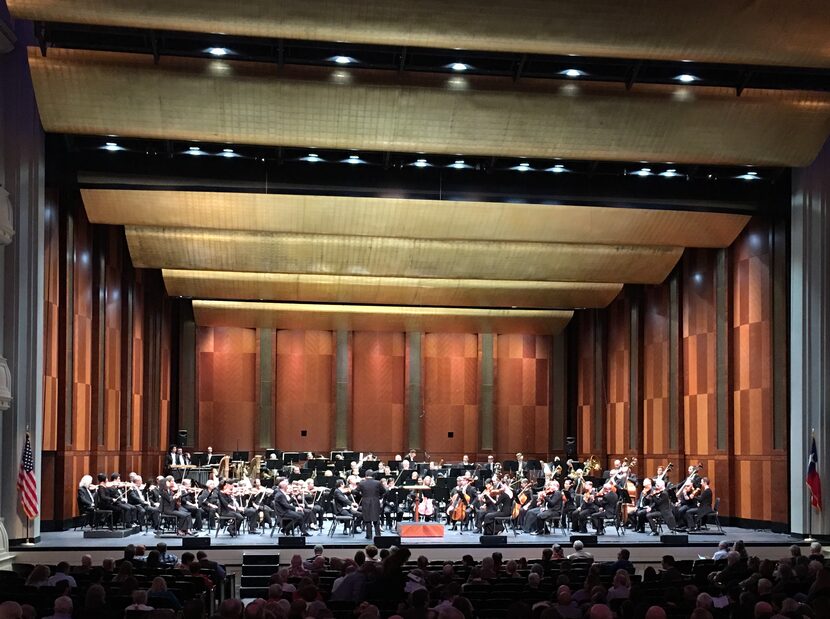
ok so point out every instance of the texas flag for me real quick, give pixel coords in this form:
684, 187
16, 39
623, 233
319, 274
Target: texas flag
813, 480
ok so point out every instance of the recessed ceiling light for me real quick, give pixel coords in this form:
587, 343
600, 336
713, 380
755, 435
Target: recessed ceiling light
557, 169
354, 160
459, 66
312, 158
671, 173
573, 73
459, 165
524, 166
421, 163
343, 59
749, 176
112, 147
218, 51
687, 78
228, 152
643, 172
195, 151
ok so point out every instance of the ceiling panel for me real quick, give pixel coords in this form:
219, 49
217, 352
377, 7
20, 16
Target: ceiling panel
371, 318
212, 250
405, 218
757, 32
386, 290
107, 93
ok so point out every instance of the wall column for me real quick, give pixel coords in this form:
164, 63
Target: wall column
342, 397
21, 294
414, 390
809, 333
486, 391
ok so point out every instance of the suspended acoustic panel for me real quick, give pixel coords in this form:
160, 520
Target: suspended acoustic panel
373, 318
244, 102
386, 290
211, 250
419, 219
757, 32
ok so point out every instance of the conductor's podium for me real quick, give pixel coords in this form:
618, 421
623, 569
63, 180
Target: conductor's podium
420, 529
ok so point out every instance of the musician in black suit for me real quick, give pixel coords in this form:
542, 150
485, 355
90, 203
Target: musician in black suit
284, 508
208, 500
548, 507
503, 508
661, 507
696, 515
190, 503
229, 508
642, 507
371, 491
259, 502
112, 496
170, 459
86, 495
170, 496
342, 505
145, 510
607, 506
588, 508
411, 455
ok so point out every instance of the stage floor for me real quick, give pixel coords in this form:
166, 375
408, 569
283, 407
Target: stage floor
74, 540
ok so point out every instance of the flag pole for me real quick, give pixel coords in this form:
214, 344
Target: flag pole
28, 541
810, 539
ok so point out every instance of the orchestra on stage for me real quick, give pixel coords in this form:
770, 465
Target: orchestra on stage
296, 492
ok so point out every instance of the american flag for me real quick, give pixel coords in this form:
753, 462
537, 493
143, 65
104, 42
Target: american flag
26, 482
813, 479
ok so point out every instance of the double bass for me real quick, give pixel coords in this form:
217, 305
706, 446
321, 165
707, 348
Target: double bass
458, 508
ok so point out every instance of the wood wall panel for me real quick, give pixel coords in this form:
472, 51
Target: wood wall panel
304, 391
618, 368
226, 367
655, 374
113, 342
450, 386
585, 382
95, 284
522, 381
378, 377
699, 347
82, 405
752, 377
51, 328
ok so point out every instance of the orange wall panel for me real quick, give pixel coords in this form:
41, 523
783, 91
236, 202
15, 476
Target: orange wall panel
450, 384
304, 391
378, 376
522, 379
617, 369
655, 371
226, 366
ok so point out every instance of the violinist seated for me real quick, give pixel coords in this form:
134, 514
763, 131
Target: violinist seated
145, 511
259, 502
309, 494
588, 508
392, 510
606, 501
231, 506
208, 500
111, 497
343, 505
484, 504
284, 507
568, 502
502, 508
641, 507
661, 507
170, 506
522, 501
696, 515
547, 507
86, 496
189, 502
297, 495
686, 499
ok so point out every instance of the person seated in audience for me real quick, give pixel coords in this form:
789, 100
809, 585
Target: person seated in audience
579, 551
195, 571
621, 586
722, 551
85, 567
60, 574
139, 597
125, 571
159, 597
816, 552
62, 608
39, 577
167, 558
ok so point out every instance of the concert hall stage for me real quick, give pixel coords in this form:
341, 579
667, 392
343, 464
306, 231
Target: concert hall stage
762, 542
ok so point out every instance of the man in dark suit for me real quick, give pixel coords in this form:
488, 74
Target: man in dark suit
607, 504
371, 491
660, 508
145, 510
695, 515
548, 507
170, 459
284, 508
503, 508
168, 506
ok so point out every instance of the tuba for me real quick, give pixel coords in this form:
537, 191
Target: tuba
592, 466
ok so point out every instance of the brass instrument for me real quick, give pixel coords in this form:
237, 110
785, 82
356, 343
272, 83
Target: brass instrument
592, 465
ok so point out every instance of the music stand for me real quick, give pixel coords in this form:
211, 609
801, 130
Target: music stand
240, 456
199, 458
291, 456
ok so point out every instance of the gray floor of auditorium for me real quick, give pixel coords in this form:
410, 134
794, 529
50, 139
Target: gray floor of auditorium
74, 540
